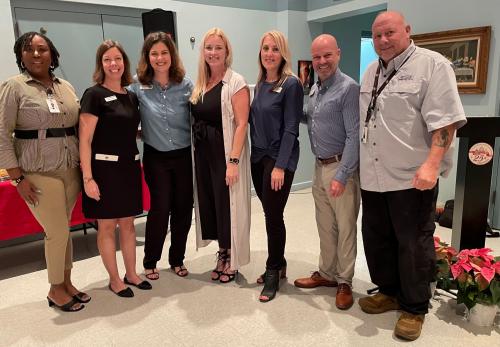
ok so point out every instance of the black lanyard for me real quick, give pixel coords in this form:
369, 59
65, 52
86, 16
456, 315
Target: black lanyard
376, 93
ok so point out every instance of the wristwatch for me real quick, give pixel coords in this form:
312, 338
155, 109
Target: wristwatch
234, 161
16, 181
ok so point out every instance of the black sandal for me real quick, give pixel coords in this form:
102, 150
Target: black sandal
80, 297
230, 276
260, 279
153, 275
271, 285
220, 257
67, 307
182, 272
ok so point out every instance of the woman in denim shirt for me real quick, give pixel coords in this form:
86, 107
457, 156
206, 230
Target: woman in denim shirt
163, 94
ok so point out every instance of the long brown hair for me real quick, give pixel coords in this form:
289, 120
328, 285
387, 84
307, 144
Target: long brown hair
98, 76
145, 72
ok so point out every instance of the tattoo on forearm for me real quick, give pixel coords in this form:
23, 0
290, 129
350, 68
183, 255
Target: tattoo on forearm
443, 140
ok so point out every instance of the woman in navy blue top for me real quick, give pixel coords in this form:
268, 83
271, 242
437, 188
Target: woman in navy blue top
163, 92
274, 127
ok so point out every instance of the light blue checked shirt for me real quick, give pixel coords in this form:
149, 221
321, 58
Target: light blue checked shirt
333, 122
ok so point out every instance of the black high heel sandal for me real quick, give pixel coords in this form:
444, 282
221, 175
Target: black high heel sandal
282, 271
271, 285
228, 277
220, 257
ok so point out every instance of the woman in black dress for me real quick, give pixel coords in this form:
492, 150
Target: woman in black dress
110, 163
220, 104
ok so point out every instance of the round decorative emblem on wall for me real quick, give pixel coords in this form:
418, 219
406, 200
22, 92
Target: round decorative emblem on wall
480, 153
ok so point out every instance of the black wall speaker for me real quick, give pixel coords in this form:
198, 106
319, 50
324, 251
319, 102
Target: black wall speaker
158, 20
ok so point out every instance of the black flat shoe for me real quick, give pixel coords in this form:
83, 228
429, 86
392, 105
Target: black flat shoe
80, 297
125, 293
271, 285
144, 285
67, 307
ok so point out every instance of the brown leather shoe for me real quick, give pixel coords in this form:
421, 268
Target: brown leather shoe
316, 280
343, 299
409, 326
378, 303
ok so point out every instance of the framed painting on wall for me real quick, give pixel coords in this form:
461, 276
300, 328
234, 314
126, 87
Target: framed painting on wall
467, 50
306, 74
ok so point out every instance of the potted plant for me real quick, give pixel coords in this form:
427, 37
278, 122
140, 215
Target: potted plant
445, 254
477, 275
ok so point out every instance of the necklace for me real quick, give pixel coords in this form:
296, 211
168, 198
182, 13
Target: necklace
121, 90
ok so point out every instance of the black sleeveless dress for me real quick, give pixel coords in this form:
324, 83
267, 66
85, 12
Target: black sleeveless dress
210, 168
115, 160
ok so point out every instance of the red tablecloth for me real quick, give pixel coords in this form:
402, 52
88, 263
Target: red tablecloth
16, 219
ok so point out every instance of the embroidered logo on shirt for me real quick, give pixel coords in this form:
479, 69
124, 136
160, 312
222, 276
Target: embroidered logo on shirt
405, 78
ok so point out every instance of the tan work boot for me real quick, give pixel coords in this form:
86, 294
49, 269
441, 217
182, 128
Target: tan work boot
409, 326
378, 303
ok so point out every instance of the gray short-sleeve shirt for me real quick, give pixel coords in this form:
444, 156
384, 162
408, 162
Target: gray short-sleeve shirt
420, 98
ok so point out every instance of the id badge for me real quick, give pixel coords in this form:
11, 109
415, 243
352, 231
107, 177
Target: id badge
53, 106
364, 137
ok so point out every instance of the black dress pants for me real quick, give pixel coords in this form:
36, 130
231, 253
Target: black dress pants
169, 176
398, 230
273, 203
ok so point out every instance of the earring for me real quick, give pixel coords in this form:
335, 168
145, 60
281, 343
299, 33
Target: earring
52, 67
22, 65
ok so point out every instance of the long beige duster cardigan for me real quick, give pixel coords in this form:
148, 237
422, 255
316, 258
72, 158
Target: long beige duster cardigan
239, 193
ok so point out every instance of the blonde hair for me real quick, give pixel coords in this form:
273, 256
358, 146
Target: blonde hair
203, 68
285, 68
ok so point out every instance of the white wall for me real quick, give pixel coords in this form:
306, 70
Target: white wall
300, 35
192, 20
8, 65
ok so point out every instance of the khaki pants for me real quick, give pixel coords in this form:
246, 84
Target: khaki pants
59, 191
336, 220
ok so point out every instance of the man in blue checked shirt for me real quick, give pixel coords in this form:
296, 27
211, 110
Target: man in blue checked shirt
333, 124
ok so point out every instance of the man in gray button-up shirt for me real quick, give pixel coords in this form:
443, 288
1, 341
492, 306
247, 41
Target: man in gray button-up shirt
333, 123
407, 128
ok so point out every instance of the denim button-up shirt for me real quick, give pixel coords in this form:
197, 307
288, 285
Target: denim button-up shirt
165, 119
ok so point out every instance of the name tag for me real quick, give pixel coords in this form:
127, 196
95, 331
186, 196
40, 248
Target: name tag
53, 106
143, 87
364, 137
110, 98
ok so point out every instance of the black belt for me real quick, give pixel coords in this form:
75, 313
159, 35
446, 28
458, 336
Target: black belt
334, 159
51, 132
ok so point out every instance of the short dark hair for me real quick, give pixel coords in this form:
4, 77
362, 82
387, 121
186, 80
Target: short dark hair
98, 76
25, 40
145, 72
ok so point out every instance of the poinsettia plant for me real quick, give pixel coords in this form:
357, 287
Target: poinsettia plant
477, 274
445, 254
